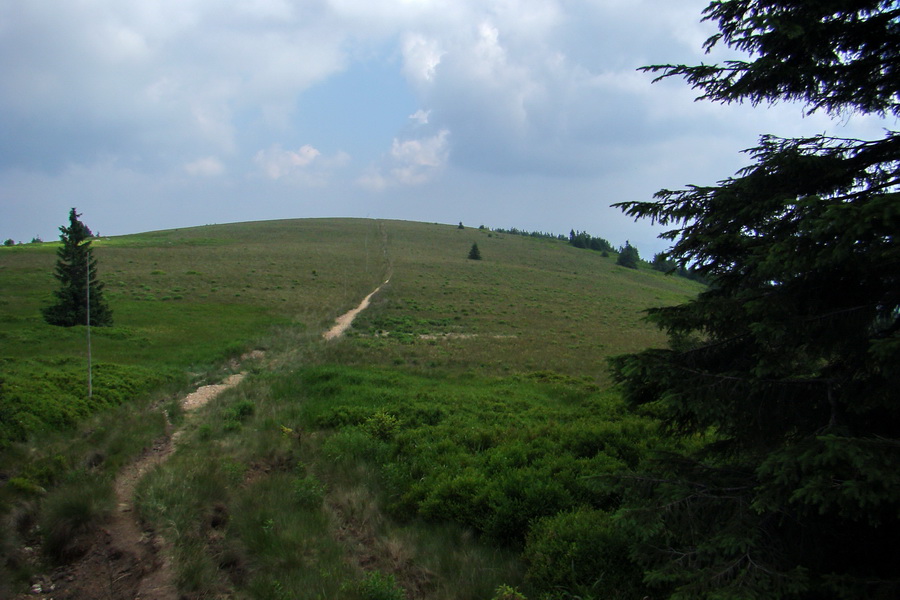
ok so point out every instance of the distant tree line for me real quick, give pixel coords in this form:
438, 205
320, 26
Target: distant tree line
11, 242
628, 255
535, 234
582, 239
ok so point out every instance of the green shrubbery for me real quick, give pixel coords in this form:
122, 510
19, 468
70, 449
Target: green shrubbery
520, 460
46, 395
583, 552
380, 586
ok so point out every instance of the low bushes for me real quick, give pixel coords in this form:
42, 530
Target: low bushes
527, 462
583, 552
48, 395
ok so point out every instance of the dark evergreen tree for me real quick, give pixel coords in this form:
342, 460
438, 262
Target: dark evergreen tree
474, 252
662, 263
787, 369
73, 258
628, 256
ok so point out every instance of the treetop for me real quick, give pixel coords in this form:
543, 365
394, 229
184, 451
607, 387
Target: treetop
834, 55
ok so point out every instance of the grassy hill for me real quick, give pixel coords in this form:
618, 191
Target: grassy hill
440, 447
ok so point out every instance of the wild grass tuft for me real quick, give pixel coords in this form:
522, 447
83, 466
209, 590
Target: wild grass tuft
71, 513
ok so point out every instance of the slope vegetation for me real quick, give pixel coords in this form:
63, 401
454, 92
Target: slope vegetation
459, 437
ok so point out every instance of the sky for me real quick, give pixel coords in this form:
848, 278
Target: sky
531, 114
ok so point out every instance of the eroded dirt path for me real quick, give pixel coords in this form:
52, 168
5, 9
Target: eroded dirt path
345, 320
124, 562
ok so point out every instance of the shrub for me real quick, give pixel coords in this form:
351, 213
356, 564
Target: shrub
240, 411
378, 586
382, 425
505, 592
582, 552
309, 491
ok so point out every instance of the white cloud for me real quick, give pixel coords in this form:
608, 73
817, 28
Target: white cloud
277, 163
427, 152
420, 117
410, 162
167, 79
184, 78
421, 57
207, 167
305, 165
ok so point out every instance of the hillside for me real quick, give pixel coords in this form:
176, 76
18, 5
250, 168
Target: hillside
522, 334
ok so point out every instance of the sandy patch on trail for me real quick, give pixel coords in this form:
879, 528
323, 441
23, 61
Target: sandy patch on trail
345, 320
121, 561
204, 394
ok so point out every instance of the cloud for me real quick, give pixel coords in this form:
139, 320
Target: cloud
421, 57
156, 84
207, 166
276, 162
420, 116
304, 165
410, 162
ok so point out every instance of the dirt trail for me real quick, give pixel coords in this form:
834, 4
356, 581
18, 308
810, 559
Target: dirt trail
122, 561
344, 321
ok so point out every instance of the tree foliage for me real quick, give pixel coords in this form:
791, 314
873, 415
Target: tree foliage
76, 270
474, 252
661, 262
789, 364
582, 239
628, 256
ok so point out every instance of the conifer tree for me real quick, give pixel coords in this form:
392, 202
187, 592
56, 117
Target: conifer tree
788, 366
76, 270
474, 252
628, 256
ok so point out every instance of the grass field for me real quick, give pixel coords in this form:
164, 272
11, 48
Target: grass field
184, 301
456, 439
530, 304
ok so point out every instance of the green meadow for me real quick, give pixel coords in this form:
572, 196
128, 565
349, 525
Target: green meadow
462, 440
